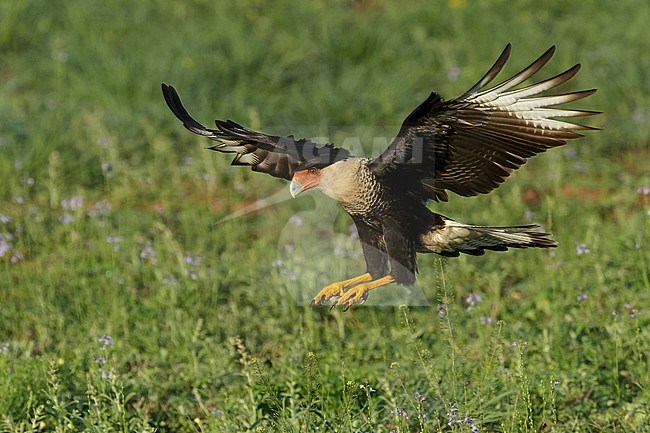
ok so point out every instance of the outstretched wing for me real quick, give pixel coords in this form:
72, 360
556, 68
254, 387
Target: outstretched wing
277, 156
471, 144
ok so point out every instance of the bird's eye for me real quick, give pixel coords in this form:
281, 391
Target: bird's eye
312, 170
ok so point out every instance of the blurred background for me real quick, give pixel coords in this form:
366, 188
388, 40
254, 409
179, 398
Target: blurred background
111, 222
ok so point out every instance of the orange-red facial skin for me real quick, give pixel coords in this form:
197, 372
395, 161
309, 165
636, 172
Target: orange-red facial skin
307, 178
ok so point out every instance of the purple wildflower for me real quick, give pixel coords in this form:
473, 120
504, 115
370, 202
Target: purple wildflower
582, 249
66, 218
73, 203
192, 260
105, 341
107, 168
5, 245
486, 320
191, 274
102, 207
170, 279
4, 219
115, 240
452, 414
16, 256
473, 299
148, 253
582, 295
401, 412
29, 181
442, 309
5, 349
633, 312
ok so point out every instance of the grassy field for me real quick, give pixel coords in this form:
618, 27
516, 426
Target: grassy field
128, 303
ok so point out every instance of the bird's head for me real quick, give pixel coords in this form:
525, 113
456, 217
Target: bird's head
305, 179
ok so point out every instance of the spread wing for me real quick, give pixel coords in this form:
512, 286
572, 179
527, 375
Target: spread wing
471, 144
277, 156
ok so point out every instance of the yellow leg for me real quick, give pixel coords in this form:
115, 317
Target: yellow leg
360, 292
336, 289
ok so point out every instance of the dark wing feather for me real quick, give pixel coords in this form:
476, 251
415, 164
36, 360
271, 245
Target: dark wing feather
278, 156
471, 144
374, 247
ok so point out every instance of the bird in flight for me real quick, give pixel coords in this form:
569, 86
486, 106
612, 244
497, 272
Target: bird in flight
468, 145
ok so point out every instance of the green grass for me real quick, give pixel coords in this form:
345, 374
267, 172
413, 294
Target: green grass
207, 325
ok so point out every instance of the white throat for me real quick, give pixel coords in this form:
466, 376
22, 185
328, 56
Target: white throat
342, 180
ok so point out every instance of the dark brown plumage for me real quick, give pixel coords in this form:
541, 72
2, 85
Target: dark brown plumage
277, 156
468, 145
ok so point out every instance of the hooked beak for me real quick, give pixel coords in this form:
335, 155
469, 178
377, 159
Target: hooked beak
295, 188
303, 180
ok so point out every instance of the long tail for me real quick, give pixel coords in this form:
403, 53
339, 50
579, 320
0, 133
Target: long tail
454, 238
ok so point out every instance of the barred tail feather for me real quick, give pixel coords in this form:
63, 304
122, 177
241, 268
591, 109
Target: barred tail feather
454, 238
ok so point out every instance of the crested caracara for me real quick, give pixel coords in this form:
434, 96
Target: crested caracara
468, 145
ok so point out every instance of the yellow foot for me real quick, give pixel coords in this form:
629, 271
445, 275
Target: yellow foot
336, 289
360, 292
